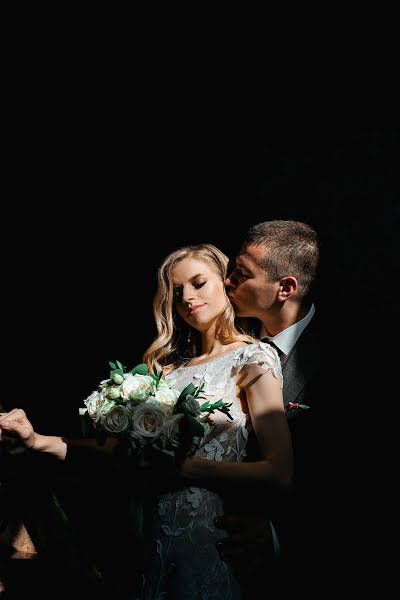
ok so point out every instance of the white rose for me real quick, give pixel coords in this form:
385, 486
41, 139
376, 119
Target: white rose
94, 402
148, 420
170, 431
117, 378
136, 387
113, 393
190, 406
102, 412
118, 419
165, 395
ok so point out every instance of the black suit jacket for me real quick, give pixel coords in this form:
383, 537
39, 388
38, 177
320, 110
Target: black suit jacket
307, 376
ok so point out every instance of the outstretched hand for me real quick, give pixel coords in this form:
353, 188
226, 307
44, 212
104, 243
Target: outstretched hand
16, 431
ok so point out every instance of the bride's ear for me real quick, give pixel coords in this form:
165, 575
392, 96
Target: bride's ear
288, 287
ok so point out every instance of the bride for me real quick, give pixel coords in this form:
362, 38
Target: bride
198, 343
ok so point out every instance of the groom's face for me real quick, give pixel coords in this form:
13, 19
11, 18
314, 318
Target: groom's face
248, 287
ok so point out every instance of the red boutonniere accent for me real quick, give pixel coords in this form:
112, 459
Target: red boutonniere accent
293, 405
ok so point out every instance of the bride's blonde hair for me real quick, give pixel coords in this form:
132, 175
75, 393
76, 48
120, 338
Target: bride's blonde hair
176, 340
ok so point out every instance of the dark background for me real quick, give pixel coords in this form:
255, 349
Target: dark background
98, 199
105, 200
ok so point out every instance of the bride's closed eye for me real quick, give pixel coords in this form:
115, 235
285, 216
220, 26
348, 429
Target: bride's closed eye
178, 291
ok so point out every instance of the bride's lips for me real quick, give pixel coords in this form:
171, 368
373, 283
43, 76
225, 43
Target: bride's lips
195, 309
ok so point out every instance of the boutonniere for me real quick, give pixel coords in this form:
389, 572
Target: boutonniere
293, 405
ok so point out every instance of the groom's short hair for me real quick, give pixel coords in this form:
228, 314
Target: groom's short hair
291, 248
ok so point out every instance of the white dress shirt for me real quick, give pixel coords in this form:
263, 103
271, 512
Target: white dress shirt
286, 339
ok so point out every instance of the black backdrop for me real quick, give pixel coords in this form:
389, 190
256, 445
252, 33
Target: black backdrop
103, 207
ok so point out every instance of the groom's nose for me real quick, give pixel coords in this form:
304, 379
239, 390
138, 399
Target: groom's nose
230, 281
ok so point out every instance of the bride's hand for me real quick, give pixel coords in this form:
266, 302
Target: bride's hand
15, 427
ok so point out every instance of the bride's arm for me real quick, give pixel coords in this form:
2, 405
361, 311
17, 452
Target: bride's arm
264, 398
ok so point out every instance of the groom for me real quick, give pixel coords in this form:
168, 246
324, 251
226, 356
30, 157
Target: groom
272, 284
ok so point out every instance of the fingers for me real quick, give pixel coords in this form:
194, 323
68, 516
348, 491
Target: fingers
15, 423
17, 414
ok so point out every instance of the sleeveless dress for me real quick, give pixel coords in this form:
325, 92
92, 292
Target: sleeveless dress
184, 563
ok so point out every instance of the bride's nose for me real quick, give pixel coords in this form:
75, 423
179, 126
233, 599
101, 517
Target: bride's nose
187, 297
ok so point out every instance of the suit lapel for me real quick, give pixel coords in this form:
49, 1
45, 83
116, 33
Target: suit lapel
300, 365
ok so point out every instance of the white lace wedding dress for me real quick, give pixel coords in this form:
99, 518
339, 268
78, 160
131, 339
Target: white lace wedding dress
185, 564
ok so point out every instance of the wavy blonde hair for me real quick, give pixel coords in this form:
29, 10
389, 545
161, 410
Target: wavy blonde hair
176, 341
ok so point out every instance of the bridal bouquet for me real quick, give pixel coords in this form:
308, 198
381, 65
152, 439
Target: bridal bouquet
147, 413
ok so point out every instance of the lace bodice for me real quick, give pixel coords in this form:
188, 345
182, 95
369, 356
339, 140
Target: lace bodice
185, 564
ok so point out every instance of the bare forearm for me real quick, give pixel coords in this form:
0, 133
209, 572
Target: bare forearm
60, 447
50, 444
214, 475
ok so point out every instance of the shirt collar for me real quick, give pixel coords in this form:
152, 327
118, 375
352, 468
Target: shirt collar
286, 339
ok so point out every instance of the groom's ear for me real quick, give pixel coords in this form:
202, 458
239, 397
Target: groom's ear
288, 287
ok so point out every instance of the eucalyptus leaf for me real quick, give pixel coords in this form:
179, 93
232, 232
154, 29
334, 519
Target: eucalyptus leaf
140, 369
114, 372
189, 390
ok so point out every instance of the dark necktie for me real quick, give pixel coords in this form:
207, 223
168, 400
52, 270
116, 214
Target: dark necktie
271, 343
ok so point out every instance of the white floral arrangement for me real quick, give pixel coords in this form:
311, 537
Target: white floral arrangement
147, 412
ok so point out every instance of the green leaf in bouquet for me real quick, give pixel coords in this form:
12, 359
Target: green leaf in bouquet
198, 390
204, 407
120, 366
189, 390
219, 405
195, 427
157, 376
189, 428
112, 365
116, 371
140, 369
